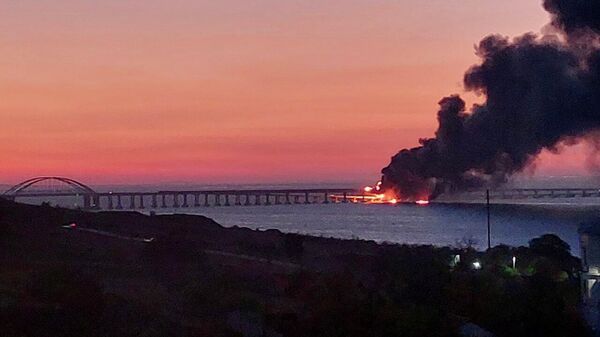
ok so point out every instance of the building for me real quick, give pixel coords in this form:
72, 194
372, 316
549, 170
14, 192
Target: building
589, 236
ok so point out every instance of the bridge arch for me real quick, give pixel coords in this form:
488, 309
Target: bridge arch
76, 186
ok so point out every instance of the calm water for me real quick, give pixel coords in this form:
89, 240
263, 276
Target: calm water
438, 224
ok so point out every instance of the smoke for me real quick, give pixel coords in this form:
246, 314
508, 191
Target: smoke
541, 91
572, 16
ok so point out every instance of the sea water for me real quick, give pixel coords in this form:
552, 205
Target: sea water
439, 224
514, 223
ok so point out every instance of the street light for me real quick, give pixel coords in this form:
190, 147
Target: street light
514, 261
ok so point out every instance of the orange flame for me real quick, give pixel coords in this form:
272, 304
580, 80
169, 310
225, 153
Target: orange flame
372, 197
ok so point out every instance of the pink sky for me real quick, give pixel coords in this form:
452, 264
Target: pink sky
234, 90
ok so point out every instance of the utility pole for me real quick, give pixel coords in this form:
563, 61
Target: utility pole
489, 237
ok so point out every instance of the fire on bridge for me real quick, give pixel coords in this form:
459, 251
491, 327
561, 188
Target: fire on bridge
60, 186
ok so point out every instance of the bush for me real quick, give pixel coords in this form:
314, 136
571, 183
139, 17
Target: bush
74, 302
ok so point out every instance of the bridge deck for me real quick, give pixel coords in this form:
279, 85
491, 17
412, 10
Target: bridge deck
248, 197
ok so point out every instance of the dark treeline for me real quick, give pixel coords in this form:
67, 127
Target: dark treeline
197, 278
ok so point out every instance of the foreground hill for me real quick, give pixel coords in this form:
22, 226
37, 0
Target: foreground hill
72, 273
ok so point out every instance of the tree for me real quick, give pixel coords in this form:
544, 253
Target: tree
550, 245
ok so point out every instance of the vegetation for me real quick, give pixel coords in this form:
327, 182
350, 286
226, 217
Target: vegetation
197, 278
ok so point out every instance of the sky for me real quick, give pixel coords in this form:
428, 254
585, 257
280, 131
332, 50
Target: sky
238, 91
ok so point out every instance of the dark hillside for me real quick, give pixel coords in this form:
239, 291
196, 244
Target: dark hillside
72, 273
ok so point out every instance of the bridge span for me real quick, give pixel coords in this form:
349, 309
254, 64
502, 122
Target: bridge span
42, 187
49, 186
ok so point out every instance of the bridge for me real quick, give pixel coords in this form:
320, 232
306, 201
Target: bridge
50, 186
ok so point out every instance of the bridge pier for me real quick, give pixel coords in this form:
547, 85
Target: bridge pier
257, 199
196, 200
268, 202
185, 203
175, 200
238, 202
96, 201
110, 202
132, 201
154, 201
217, 199
306, 200
119, 204
87, 201
287, 198
206, 204
326, 195
142, 201
163, 202
227, 200
247, 202
345, 199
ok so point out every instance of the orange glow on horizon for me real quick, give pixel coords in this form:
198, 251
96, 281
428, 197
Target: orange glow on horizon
231, 91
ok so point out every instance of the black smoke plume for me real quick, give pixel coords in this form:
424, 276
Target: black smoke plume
541, 92
572, 16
